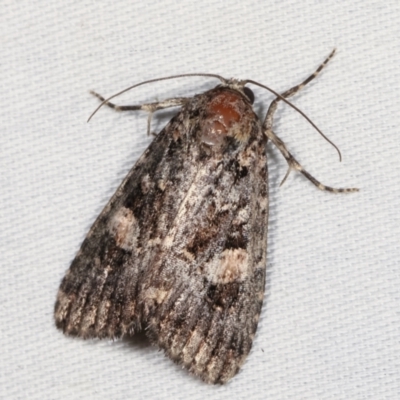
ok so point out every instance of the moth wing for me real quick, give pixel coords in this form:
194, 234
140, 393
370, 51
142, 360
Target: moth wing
204, 292
98, 296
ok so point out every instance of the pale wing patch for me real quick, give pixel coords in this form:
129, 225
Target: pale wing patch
232, 266
146, 184
161, 184
123, 226
263, 202
241, 218
156, 294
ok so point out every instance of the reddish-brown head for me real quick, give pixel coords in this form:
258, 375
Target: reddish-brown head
228, 114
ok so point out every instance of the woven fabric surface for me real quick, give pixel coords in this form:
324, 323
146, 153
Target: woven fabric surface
330, 325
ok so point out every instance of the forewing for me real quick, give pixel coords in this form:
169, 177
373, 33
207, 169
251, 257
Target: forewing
204, 292
98, 296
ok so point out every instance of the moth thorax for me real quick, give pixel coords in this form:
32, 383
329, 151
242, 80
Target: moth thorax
227, 115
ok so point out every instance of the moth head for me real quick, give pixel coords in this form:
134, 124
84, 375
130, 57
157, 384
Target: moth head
228, 114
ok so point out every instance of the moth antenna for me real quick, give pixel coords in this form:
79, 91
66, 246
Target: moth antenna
299, 111
223, 80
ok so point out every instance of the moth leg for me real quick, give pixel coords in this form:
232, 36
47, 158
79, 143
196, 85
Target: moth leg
295, 165
291, 92
149, 107
267, 128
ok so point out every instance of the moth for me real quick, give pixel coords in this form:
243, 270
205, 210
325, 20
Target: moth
180, 249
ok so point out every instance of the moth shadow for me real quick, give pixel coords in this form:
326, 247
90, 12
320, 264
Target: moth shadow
138, 340
161, 118
140, 343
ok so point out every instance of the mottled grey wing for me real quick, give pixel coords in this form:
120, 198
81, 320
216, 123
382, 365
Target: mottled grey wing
180, 248
203, 293
98, 296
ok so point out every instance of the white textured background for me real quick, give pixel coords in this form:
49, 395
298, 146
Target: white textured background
330, 327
